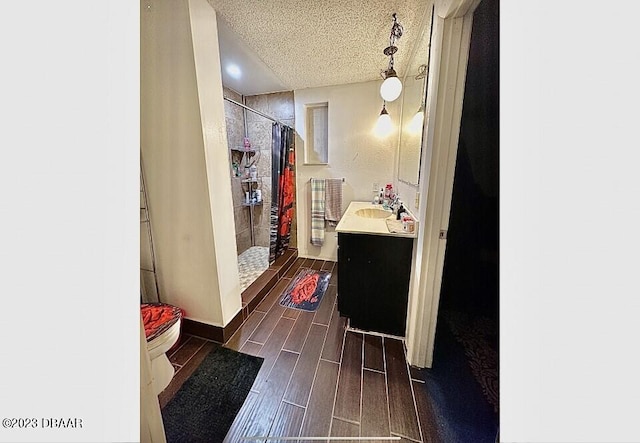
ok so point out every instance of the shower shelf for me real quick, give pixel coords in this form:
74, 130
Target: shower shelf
243, 149
253, 204
250, 180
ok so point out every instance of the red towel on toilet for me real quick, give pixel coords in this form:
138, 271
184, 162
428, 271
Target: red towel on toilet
158, 317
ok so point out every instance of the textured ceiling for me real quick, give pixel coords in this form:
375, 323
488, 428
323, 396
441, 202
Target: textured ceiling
330, 42
255, 76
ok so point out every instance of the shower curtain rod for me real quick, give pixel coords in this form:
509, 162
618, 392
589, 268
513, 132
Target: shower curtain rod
257, 112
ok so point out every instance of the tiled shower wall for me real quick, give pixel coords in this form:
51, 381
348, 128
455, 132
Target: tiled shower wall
279, 105
235, 137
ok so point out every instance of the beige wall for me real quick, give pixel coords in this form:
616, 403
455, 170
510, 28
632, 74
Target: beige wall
278, 105
355, 153
185, 160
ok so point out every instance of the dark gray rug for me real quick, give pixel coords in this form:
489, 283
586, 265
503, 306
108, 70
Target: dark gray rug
462, 385
205, 406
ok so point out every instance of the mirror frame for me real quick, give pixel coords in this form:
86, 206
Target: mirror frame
404, 116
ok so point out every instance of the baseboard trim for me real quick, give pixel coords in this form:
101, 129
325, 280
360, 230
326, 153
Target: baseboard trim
211, 332
251, 298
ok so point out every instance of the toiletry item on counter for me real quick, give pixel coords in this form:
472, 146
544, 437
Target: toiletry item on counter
388, 196
400, 211
381, 196
404, 219
388, 191
411, 226
408, 224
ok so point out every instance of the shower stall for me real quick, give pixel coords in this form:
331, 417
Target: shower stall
260, 141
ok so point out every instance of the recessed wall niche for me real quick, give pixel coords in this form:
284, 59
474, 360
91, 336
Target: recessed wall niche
316, 146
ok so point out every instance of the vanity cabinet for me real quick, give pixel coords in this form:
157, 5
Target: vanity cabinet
373, 281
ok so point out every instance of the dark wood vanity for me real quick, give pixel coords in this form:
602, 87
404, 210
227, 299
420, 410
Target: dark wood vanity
373, 281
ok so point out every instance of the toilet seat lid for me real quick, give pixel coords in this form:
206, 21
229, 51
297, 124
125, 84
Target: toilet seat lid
158, 317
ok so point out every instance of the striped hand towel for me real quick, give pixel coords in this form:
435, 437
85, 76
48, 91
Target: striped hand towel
317, 211
333, 201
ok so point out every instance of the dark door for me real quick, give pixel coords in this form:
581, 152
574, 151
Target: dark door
465, 360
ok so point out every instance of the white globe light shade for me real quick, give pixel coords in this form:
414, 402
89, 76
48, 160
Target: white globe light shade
391, 88
384, 126
415, 126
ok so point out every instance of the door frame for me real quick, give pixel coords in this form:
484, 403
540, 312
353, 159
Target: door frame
451, 40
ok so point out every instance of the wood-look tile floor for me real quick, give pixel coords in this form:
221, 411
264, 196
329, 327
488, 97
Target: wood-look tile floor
318, 379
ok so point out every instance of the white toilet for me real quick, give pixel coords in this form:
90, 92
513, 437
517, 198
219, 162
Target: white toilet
162, 329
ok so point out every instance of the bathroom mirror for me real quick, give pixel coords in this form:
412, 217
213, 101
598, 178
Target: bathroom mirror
414, 86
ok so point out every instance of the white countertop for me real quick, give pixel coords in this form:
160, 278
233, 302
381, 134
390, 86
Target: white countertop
354, 224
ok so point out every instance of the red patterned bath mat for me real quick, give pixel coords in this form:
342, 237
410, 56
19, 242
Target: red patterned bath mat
306, 289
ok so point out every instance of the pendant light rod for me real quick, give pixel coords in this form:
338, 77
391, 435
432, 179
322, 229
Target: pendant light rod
392, 86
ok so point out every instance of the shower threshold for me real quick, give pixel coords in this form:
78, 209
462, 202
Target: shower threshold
282, 268
251, 264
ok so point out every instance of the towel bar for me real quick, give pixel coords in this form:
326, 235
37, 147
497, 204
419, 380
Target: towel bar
330, 177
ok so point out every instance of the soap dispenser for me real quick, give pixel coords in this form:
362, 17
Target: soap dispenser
400, 211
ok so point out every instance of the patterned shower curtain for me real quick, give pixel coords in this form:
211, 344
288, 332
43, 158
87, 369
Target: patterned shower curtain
283, 189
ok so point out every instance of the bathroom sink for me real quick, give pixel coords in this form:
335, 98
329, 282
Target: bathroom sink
368, 218
373, 213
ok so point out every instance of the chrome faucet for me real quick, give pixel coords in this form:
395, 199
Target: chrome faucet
394, 202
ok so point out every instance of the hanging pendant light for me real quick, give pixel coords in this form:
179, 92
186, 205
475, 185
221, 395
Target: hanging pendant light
415, 125
384, 125
391, 86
